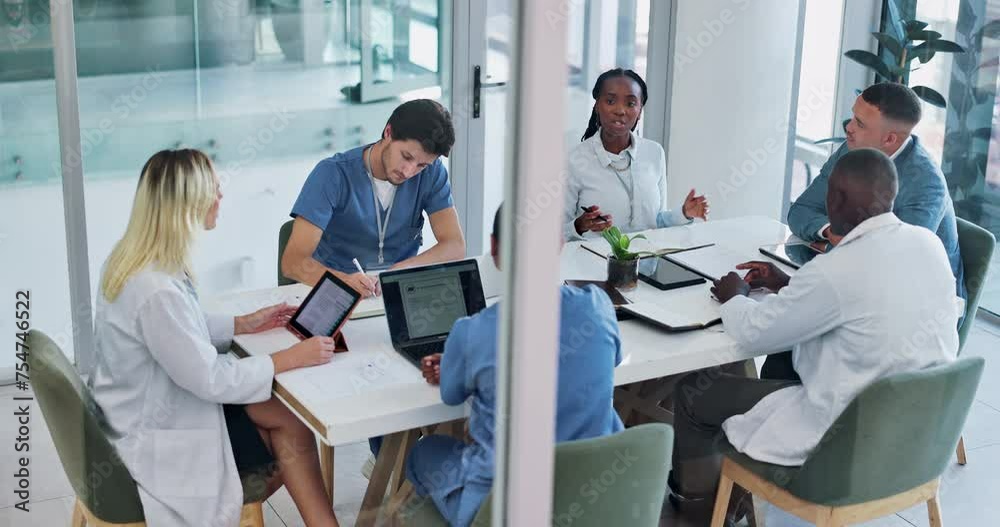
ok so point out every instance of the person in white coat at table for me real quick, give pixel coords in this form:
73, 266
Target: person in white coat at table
185, 419
616, 177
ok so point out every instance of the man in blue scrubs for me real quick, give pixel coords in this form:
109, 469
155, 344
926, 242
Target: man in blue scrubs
458, 476
369, 203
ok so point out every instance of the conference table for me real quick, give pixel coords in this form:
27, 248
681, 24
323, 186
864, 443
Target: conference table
372, 391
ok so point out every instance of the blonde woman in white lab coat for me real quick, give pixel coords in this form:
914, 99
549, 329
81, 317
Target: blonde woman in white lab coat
185, 418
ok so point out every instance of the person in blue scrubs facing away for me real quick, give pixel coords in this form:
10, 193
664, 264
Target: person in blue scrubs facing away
458, 476
369, 203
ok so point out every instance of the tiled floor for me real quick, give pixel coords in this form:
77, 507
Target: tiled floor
968, 494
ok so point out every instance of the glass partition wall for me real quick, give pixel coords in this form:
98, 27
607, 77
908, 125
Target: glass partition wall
268, 88
963, 136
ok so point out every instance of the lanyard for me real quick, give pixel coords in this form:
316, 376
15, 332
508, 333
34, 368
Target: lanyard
629, 187
382, 226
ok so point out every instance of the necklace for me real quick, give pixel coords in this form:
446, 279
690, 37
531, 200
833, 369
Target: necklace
620, 167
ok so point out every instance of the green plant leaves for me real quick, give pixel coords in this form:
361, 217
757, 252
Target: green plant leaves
983, 133
620, 243
931, 96
869, 59
889, 43
915, 25
923, 34
944, 46
991, 29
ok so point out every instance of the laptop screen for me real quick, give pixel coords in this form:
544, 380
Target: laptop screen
425, 302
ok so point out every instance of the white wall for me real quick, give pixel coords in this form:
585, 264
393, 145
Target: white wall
729, 108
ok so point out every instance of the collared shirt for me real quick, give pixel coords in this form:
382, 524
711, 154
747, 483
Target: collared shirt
922, 200
589, 350
909, 139
159, 382
882, 303
592, 180
338, 197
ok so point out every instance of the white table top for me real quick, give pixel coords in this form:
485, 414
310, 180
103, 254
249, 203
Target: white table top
371, 390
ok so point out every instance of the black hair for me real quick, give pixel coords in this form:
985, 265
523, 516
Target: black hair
595, 122
497, 218
426, 122
894, 101
873, 169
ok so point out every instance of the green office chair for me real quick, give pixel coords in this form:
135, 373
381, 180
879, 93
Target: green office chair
976, 245
885, 453
633, 498
106, 494
283, 235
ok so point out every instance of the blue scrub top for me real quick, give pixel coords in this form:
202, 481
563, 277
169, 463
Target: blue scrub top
338, 197
589, 349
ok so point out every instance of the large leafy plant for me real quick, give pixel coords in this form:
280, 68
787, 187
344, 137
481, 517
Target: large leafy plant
620, 244
905, 41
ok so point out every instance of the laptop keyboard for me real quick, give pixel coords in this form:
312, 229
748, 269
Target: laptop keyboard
417, 352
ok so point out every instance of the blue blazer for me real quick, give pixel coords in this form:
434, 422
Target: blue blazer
923, 200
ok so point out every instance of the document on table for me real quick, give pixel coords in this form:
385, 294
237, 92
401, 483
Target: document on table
677, 318
712, 262
602, 249
372, 306
350, 374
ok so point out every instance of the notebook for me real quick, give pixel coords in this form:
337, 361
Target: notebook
673, 319
712, 262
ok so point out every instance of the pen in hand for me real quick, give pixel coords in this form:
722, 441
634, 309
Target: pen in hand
362, 271
602, 218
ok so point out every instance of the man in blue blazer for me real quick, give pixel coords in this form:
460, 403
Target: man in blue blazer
884, 117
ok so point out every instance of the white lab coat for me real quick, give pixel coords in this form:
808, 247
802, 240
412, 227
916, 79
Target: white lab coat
159, 381
882, 302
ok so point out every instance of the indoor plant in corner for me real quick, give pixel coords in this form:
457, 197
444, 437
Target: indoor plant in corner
623, 265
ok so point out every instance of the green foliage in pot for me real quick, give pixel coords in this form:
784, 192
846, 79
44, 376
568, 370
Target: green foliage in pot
620, 244
903, 41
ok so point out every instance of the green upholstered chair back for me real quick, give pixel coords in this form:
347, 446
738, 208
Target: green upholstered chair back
619, 479
899, 433
99, 479
976, 245
283, 235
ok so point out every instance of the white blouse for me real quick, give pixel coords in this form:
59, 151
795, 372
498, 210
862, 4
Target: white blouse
636, 190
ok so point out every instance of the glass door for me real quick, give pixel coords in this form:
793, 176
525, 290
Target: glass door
602, 35
401, 46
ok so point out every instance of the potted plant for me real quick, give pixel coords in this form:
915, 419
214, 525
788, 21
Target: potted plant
623, 264
903, 41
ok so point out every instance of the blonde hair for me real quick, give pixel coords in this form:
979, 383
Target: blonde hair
177, 188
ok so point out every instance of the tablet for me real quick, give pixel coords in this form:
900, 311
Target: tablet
792, 254
664, 274
325, 310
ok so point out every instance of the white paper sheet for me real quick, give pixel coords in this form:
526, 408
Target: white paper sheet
715, 261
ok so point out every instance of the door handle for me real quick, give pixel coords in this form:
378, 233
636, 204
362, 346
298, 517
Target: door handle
477, 86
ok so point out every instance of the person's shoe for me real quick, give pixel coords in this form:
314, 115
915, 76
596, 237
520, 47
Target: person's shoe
368, 467
699, 509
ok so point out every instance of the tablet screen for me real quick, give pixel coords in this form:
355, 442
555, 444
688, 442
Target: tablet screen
326, 307
666, 274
